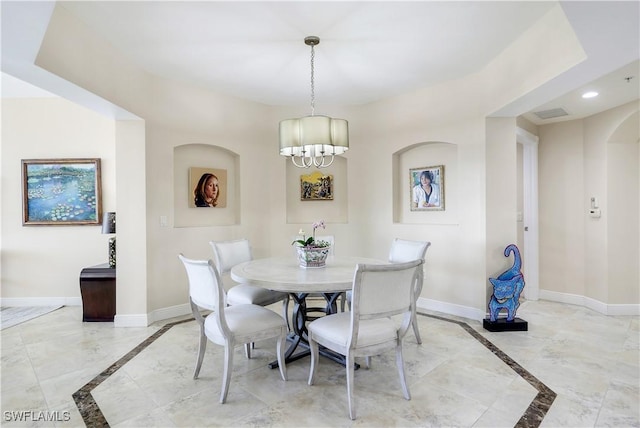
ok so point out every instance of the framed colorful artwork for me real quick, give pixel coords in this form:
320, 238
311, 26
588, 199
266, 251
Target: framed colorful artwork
426, 191
61, 192
316, 187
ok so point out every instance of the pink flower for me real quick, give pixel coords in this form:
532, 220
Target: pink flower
311, 241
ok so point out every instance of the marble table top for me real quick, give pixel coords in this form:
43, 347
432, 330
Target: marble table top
284, 274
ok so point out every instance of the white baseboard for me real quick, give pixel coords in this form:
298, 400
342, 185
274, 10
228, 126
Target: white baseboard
133, 320
451, 309
170, 312
588, 302
40, 301
144, 320
623, 309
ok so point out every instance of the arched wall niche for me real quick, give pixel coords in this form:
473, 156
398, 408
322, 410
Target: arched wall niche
205, 156
308, 211
419, 155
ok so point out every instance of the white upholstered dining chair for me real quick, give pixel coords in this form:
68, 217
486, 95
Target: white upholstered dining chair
229, 326
403, 250
368, 328
226, 255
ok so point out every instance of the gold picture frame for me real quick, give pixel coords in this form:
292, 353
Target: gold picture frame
316, 187
426, 188
61, 192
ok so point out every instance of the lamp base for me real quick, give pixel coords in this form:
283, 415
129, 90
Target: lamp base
112, 252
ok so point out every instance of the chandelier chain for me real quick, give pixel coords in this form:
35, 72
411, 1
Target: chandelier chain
313, 92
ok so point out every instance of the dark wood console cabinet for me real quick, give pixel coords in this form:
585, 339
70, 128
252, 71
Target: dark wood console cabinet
98, 291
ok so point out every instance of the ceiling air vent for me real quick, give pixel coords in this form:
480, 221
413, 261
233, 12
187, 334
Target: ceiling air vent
550, 114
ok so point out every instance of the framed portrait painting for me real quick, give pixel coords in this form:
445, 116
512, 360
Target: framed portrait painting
316, 187
207, 187
426, 188
59, 192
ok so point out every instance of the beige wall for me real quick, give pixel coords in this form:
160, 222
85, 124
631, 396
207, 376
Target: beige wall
501, 194
45, 261
580, 255
131, 285
467, 241
623, 212
561, 206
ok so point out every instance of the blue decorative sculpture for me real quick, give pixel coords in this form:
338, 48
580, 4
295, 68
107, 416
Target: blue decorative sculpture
507, 288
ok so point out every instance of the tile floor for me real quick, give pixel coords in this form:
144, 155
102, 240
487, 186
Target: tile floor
590, 361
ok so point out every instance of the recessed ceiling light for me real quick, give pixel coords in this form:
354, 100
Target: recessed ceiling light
590, 94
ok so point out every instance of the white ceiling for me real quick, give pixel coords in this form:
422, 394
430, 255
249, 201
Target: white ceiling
368, 50
616, 88
256, 51
13, 87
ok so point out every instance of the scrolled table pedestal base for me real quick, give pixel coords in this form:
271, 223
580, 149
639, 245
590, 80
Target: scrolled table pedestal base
299, 337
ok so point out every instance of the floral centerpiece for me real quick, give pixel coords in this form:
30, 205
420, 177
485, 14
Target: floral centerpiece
312, 252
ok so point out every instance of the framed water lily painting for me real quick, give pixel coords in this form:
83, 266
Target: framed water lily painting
61, 192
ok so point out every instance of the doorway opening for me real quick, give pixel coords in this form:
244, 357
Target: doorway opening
529, 219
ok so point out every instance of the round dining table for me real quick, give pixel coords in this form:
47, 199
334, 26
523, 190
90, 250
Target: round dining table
284, 274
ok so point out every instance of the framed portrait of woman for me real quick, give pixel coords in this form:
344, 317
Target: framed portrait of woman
426, 191
207, 187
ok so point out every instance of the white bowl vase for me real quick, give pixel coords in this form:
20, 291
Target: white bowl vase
312, 257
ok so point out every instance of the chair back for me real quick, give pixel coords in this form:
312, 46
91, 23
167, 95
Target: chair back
403, 250
203, 283
374, 298
227, 254
205, 289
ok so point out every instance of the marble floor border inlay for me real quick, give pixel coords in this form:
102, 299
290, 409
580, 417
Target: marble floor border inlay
532, 417
541, 404
88, 408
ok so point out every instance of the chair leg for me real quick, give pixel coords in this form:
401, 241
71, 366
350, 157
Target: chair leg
400, 364
247, 350
416, 330
285, 311
343, 299
350, 377
282, 340
202, 346
315, 355
228, 368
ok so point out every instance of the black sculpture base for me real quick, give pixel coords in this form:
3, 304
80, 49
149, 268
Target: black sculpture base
501, 324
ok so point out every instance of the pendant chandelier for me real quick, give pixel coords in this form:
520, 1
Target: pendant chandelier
313, 140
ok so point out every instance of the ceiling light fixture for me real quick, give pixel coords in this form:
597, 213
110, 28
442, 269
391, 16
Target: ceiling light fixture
590, 94
313, 139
